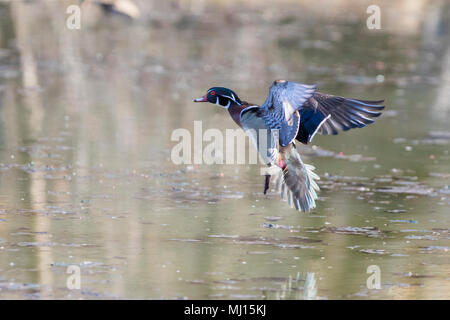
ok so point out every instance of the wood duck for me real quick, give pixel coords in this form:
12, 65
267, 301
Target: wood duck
293, 111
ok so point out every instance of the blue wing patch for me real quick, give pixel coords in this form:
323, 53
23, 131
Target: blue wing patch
310, 122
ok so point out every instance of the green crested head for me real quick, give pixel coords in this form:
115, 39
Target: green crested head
223, 97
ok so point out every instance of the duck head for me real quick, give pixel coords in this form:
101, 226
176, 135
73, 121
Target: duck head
221, 96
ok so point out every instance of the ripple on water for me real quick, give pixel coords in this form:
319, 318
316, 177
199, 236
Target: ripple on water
436, 249
415, 189
226, 236
374, 251
185, 240
36, 244
365, 231
404, 221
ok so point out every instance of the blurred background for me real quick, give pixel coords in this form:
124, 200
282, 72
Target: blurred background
86, 178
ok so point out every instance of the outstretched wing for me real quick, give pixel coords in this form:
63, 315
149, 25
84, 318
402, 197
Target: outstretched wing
280, 110
327, 114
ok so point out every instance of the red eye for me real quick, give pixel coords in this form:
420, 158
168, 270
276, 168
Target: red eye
212, 93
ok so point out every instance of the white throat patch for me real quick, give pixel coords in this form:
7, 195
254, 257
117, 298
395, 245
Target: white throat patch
225, 107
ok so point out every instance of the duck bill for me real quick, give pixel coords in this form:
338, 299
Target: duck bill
202, 99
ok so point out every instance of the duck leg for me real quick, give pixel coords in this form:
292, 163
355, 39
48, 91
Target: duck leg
280, 164
266, 183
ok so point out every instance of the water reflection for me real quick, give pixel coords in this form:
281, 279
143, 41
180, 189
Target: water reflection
86, 177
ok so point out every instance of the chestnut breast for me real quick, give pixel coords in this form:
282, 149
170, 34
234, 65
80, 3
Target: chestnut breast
235, 112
